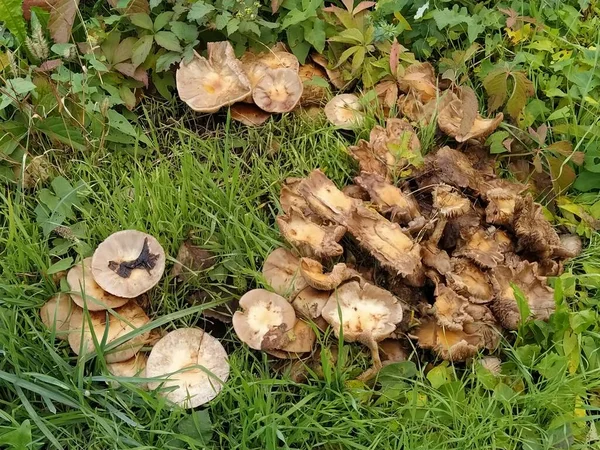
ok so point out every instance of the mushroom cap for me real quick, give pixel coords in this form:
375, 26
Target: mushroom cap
200, 363
281, 270
206, 85
262, 312
485, 247
309, 303
420, 79
256, 64
345, 111
470, 281
56, 314
278, 90
313, 94
570, 246
85, 291
249, 115
125, 246
501, 207
312, 272
365, 311
392, 350
449, 202
131, 317
132, 368
302, 338
534, 232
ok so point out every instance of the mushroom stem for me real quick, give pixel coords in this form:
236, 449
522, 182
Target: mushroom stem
436, 235
376, 367
145, 260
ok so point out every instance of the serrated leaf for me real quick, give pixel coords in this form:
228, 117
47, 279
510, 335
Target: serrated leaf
187, 32
164, 62
61, 20
167, 40
495, 84
162, 20
142, 20
141, 49
199, 11
12, 16
522, 90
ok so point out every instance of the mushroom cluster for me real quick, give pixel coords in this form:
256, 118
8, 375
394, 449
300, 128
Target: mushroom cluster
442, 259
104, 304
256, 85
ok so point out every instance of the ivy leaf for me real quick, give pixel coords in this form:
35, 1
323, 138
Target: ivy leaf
141, 49
523, 88
61, 20
167, 40
185, 31
315, 35
199, 11
495, 84
142, 20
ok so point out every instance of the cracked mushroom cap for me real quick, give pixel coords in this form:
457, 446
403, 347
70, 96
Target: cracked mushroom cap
470, 281
281, 270
206, 85
449, 202
485, 247
309, 303
345, 111
249, 115
312, 271
420, 79
56, 314
262, 312
539, 296
128, 263
278, 90
130, 317
453, 311
366, 312
132, 368
85, 291
194, 364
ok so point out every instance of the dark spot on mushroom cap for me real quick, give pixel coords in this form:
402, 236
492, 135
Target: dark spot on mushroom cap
145, 260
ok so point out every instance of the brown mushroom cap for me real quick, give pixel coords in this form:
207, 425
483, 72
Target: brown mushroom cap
345, 111
312, 271
470, 281
534, 232
85, 291
56, 314
131, 317
301, 337
122, 247
256, 64
486, 247
453, 311
449, 202
249, 115
420, 79
207, 85
309, 303
262, 312
278, 90
366, 312
313, 93
193, 362
132, 368
281, 270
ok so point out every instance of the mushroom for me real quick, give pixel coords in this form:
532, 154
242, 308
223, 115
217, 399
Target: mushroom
191, 259
392, 351
278, 90
448, 203
313, 93
345, 111
452, 167
485, 247
334, 75
369, 161
262, 312
534, 233
420, 79
468, 280
56, 314
132, 368
107, 328
366, 314
309, 303
290, 197
309, 238
312, 272
256, 65
300, 339
492, 364
500, 209
85, 292
452, 310
206, 85
539, 296
281, 270
435, 258
192, 366
570, 246
249, 115
128, 263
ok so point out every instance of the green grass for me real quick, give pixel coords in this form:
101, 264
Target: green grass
222, 190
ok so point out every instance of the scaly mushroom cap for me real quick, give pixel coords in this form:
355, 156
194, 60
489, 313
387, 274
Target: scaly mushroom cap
345, 111
420, 79
56, 314
309, 303
500, 209
468, 280
128, 263
313, 93
206, 85
449, 202
485, 247
366, 312
278, 90
132, 368
256, 65
453, 311
309, 238
312, 271
534, 233
200, 363
249, 115
86, 292
539, 296
281, 270
130, 317
262, 312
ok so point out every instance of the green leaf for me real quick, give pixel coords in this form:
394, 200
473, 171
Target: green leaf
522, 303
439, 375
315, 35
222, 20
197, 426
168, 40
358, 59
167, 60
523, 88
154, 3
199, 11
162, 20
20, 437
20, 86
495, 84
295, 16
142, 20
141, 49
562, 113
187, 32
347, 54
63, 50
58, 129
59, 266
12, 16
350, 36
232, 26
587, 181
495, 142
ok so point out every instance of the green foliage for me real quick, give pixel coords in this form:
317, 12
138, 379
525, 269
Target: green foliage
12, 17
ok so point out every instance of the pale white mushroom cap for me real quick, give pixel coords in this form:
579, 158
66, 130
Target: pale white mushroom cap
278, 90
56, 314
345, 111
126, 246
86, 292
199, 360
132, 368
261, 312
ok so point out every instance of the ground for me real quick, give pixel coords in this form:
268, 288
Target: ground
221, 189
